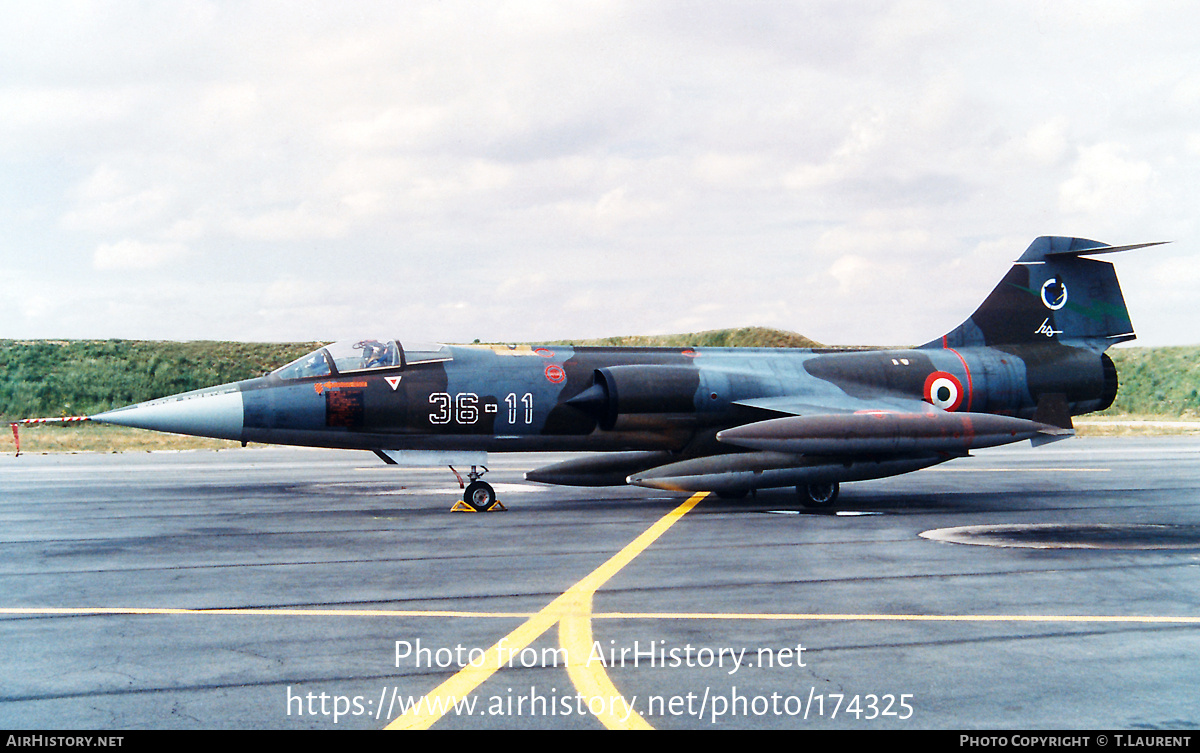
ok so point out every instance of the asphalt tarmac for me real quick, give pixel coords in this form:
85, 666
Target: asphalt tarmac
292, 588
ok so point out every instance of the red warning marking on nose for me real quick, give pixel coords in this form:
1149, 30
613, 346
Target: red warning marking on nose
544, 352
321, 387
555, 374
943, 390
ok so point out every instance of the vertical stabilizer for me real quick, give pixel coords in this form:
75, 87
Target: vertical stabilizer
1052, 293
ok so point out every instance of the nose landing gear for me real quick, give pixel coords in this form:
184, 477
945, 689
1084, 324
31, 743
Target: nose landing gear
478, 496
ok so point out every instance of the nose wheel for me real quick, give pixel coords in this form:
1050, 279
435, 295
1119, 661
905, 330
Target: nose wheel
478, 496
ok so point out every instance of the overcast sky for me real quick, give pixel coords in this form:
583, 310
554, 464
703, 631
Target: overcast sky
857, 172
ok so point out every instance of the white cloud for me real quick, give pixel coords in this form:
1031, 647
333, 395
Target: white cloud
134, 254
729, 148
1046, 143
1106, 181
29, 111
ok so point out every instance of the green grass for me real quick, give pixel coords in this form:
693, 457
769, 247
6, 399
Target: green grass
44, 378
89, 437
744, 337
1157, 381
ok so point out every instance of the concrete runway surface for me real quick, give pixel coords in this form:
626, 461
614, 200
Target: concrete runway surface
294, 588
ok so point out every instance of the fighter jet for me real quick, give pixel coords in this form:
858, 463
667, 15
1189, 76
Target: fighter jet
724, 420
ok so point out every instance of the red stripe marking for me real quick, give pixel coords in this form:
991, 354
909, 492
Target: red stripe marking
970, 390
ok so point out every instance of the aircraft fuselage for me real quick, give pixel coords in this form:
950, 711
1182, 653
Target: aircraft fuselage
722, 419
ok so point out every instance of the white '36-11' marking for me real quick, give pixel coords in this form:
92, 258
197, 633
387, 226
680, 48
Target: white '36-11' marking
463, 408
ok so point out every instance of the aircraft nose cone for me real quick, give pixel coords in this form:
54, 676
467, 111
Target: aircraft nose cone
215, 412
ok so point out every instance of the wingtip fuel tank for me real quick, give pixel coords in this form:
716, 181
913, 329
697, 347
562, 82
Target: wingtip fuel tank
883, 432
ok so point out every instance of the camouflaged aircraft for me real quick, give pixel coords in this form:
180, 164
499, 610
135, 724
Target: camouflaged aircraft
724, 420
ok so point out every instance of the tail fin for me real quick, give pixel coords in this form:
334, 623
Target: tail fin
1051, 293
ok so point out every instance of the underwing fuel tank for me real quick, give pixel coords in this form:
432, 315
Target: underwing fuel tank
884, 432
598, 470
735, 474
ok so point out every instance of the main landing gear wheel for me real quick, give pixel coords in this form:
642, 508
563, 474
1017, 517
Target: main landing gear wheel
820, 494
480, 496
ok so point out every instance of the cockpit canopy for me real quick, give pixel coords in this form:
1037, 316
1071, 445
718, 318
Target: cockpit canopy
353, 356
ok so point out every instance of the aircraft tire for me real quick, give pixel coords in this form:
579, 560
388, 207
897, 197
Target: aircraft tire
818, 494
480, 496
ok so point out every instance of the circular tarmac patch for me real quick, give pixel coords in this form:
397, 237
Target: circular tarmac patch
1068, 536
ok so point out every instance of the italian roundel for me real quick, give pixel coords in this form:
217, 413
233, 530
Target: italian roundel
943, 390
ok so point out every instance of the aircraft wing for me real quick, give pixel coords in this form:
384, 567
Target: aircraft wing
851, 426
820, 440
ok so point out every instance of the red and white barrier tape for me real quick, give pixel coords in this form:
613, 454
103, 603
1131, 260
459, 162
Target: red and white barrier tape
63, 420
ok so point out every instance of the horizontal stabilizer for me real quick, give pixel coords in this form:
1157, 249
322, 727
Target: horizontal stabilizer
1080, 248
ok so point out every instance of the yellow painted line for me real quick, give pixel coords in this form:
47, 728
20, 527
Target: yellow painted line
442, 698
1016, 470
577, 611
574, 603
816, 617
575, 637
263, 612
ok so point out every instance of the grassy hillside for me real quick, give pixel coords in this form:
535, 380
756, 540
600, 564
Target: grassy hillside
77, 377
1157, 381
56, 378
84, 377
744, 337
